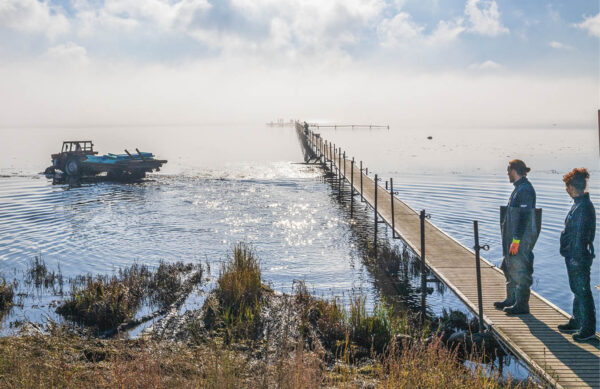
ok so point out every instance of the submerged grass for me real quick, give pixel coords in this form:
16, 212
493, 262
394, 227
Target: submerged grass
105, 302
6, 295
38, 275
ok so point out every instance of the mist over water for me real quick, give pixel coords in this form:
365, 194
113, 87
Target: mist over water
225, 184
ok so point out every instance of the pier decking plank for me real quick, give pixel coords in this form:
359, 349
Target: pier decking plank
533, 337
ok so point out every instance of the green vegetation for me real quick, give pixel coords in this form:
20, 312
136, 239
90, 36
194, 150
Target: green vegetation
239, 294
37, 274
245, 336
6, 295
352, 331
105, 302
67, 360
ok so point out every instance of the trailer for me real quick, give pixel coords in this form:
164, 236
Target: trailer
78, 159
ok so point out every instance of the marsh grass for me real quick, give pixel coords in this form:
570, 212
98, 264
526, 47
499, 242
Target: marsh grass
6, 295
105, 302
166, 283
431, 365
349, 331
38, 275
364, 348
65, 359
239, 293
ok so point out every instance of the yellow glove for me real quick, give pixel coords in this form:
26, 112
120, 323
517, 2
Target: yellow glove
514, 247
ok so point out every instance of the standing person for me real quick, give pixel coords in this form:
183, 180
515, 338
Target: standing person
519, 234
576, 245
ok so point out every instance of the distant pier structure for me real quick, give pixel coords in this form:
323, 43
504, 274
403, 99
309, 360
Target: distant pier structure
533, 337
351, 126
282, 123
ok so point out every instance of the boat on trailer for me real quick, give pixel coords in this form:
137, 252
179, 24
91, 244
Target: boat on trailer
78, 159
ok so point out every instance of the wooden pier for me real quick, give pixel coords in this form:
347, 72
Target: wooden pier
352, 126
534, 338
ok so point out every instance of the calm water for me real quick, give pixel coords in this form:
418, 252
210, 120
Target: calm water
227, 184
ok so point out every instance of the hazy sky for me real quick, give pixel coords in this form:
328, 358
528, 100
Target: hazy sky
431, 63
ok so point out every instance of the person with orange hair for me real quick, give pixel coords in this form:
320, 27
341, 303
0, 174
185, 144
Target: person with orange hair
576, 245
520, 230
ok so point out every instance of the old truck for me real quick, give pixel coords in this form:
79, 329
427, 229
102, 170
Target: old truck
79, 159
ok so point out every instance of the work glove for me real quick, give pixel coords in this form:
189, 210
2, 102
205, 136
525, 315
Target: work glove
514, 247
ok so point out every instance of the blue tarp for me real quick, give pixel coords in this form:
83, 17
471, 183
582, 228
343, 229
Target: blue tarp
113, 158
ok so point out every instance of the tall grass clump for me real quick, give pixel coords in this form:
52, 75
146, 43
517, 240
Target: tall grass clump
39, 275
351, 331
105, 302
239, 292
6, 295
431, 365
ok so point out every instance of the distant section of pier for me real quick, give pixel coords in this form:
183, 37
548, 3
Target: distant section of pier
352, 126
533, 337
282, 123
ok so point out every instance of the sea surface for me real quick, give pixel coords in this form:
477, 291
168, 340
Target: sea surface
226, 184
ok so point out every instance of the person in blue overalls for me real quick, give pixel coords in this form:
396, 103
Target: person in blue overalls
520, 230
576, 245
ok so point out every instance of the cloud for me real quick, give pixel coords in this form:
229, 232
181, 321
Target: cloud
32, 16
559, 46
240, 26
591, 24
485, 66
68, 54
399, 30
447, 31
484, 20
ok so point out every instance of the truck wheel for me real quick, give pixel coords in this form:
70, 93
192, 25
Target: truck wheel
73, 167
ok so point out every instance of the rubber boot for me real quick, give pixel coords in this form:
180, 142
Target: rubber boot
569, 327
521, 305
509, 300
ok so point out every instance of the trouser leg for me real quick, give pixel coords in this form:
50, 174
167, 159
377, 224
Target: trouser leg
584, 310
510, 288
520, 269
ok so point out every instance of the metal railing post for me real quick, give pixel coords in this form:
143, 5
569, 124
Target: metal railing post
344, 159
352, 188
392, 205
423, 276
340, 173
376, 218
478, 271
361, 185
340, 163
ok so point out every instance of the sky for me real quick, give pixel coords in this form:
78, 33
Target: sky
408, 63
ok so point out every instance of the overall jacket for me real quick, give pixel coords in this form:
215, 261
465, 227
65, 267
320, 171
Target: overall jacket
576, 240
520, 219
